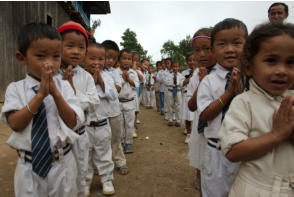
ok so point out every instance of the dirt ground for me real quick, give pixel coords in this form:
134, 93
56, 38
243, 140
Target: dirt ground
158, 166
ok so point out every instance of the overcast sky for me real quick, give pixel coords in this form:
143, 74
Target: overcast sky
155, 22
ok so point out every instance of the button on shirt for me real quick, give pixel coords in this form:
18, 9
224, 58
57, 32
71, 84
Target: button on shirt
169, 82
20, 93
251, 115
209, 90
104, 110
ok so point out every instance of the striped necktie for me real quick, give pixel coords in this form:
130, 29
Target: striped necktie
41, 151
226, 107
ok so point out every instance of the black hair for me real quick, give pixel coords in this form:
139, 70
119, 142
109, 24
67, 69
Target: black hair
190, 53
169, 58
110, 45
174, 62
124, 51
203, 32
144, 59
158, 62
136, 53
96, 44
73, 30
34, 31
259, 35
277, 4
228, 23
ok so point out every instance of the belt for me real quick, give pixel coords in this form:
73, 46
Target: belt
98, 124
171, 90
80, 130
122, 100
54, 155
214, 143
185, 91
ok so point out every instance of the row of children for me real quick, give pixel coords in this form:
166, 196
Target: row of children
67, 120
242, 139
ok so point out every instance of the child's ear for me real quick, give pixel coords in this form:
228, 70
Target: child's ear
20, 58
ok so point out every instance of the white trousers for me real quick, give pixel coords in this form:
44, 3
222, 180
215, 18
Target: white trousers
150, 98
174, 104
144, 95
217, 173
60, 181
80, 151
166, 103
128, 128
117, 151
100, 153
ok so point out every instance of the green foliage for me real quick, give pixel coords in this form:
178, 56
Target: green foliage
177, 52
130, 41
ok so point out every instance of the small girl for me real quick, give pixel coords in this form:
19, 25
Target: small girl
186, 114
205, 61
258, 128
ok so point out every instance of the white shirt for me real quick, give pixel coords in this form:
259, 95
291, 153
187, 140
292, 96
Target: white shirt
20, 93
185, 73
160, 80
193, 83
114, 73
152, 81
209, 90
107, 98
169, 82
251, 115
127, 91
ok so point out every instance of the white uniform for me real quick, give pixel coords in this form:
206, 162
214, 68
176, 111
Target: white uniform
137, 100
160, 81
251, 115
157, 92
115, 121
149, 84
186, 114
99, 132
89, 100
217, 173
144, 90
128, 106
174, 100
61, 179
165, 75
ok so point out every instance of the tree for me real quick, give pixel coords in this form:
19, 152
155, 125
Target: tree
130, 42
177, 52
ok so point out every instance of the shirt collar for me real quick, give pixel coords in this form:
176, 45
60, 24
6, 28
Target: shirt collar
31, 82
221, 71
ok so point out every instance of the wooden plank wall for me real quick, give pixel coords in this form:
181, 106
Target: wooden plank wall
13, 15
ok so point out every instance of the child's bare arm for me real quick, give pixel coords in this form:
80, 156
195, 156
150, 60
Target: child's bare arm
66, 113
252, 148
68, 76
192, 104
131, 82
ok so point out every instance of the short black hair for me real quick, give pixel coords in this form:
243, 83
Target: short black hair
73, 30
190, 53
174, 62
110, 45
228, 23
34, 31
96, 44
124, 51
157, 63
169, 58
136, 53
277, 4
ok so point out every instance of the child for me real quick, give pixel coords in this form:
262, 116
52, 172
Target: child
165, 76
98, 130
174, 82
74, 45
205, 60
42, 110
112, 51
145, 64
160, 80
135, 67
127, 99
258, 128
157, 86
150, 87
186, 114
213, 98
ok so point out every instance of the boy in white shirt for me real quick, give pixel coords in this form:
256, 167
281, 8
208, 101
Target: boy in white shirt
74, 45
157, 86
127, 99
42, 110
160, 79
166, 73
112, 51
174, 82
150, 87
98, 129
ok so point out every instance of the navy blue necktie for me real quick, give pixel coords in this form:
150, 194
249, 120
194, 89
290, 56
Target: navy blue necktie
226, 107
175, 88
41, 151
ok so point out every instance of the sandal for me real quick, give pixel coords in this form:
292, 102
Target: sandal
197, 184
123, 170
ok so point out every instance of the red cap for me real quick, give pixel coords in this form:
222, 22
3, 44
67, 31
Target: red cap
76, 26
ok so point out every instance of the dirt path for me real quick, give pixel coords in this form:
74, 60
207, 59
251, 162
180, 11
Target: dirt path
158, 167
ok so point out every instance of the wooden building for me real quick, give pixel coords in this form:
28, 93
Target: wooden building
15, 14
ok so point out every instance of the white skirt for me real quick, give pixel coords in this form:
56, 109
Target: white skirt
186, 114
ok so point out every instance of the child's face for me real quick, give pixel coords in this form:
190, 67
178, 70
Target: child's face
40, 52
136, 60
95, 58
145, 64
159, 67
168, 64
150, 69
203, 54
176, 67
111, 58
163, 65
125, 61
191, 61
73, 49
273, 66
228, 47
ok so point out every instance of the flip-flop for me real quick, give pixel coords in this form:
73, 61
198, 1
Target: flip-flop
122, 168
